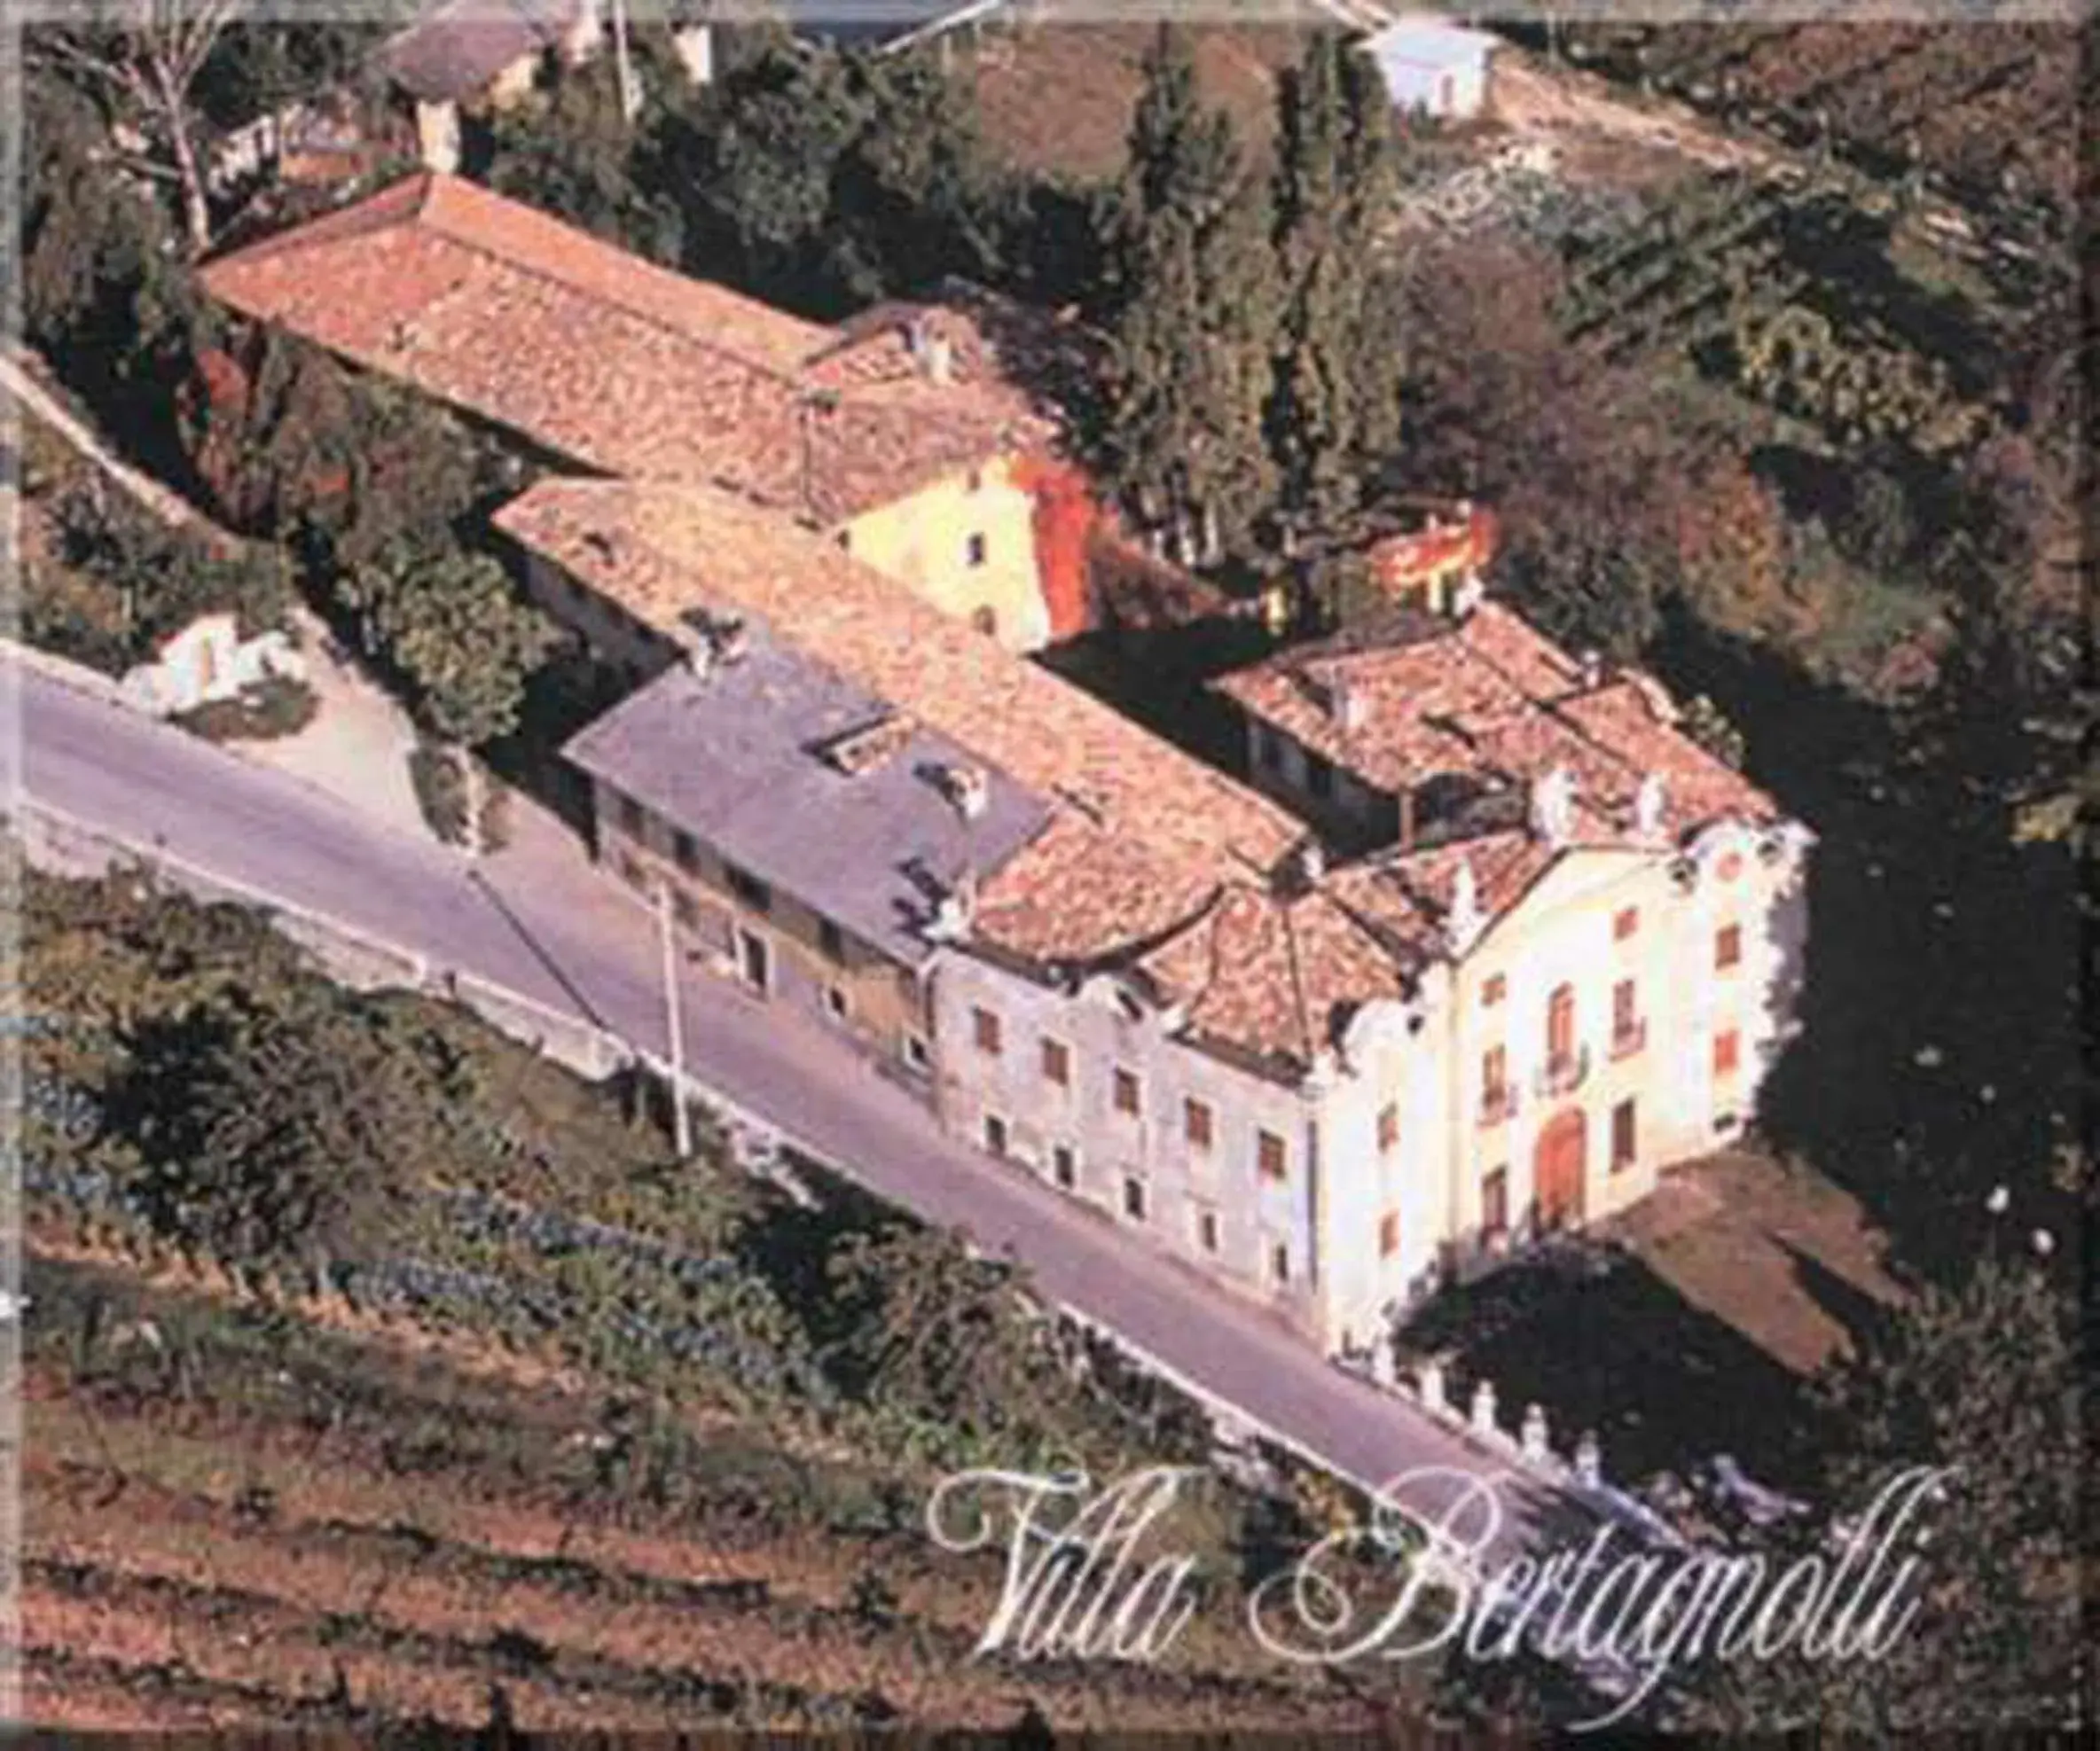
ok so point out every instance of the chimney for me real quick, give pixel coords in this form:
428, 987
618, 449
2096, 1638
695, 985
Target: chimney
699, 653
1345, 703
968, 789
1312, 863
1593, 670
730, 641
1553, 806
956, 908
932, 352
1648, 802
1468, 595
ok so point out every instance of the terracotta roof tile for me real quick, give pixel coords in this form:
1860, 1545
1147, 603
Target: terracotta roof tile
1147, 833
599, 356
1490, 697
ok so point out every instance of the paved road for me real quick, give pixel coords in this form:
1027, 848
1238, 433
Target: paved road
544, 922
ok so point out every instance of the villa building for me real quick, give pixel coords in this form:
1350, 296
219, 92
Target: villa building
1481, 944
901, 436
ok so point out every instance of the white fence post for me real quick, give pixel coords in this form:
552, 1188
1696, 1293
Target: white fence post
1483, 1409
1532, 1435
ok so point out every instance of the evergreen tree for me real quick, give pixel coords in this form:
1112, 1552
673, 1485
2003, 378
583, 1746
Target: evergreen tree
1982, 1378
1333, 409
1193, 335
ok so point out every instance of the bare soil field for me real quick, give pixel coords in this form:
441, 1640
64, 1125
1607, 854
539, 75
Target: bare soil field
1055, 97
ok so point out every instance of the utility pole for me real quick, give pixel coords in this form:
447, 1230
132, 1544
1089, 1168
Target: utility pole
681, 1119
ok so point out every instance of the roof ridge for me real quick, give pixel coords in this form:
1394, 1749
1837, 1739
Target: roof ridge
447, 226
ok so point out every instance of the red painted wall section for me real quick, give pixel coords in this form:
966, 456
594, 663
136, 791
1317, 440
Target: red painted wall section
1063, 517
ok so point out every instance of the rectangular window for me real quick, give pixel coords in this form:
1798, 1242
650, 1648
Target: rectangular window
1389, 1235
1196, 1123
1268, 752
747, 887
1271, 1155
1622, 1008
1126, 1093
984, 1030
1057, 1062
975, 549
1625, 923
1388, 1127
1494, 991
1320, 777
1623, 1138
1494, 1081
1494, 1201
995, 1135
835, 1004
1206, 1229
1727, 947
1726, 1051
976, 479
627, 812
631, 872
1279, 1263
1133, 1199
918, 1054
1064, 1166
685, 851
831, 939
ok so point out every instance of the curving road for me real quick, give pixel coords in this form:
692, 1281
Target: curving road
541, 921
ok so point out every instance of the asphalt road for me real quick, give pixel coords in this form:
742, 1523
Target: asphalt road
541, 921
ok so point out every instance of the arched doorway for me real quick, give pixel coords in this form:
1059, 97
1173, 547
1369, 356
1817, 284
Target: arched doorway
1556, 1170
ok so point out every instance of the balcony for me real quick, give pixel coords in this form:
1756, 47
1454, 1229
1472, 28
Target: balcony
1562, 1075
1629, 1039
1498, 1105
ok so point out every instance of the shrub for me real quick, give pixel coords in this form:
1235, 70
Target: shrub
440, 790
272, 708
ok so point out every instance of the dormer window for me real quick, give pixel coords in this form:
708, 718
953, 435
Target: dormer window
975, 550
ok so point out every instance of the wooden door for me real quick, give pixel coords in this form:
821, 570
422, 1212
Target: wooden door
1556, 1171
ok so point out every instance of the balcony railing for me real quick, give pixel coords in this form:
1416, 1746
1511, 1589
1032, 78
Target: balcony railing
1498, 1105
1629, 1039
1562, 1075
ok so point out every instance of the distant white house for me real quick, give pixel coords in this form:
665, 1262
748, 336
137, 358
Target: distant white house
1432, 65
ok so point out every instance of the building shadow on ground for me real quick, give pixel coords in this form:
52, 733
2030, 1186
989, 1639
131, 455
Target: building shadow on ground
1592, 1335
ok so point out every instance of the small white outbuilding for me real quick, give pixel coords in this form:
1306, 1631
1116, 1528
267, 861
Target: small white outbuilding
1433, 65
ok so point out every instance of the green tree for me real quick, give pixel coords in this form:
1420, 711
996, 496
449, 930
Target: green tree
576, 153
831, 177
1332, 407
88, 246
280, 1127
1982, 1378
1191, 340
141, 61
457, 631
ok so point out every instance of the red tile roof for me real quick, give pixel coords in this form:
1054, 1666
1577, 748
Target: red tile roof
1145, 835
599, 356
1488, 696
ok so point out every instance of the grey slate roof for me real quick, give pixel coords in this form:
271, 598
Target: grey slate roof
454, 51
737, 761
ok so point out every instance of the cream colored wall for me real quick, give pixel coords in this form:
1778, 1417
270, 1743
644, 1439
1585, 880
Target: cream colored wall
1564, 933
923, 542
1255, 1215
